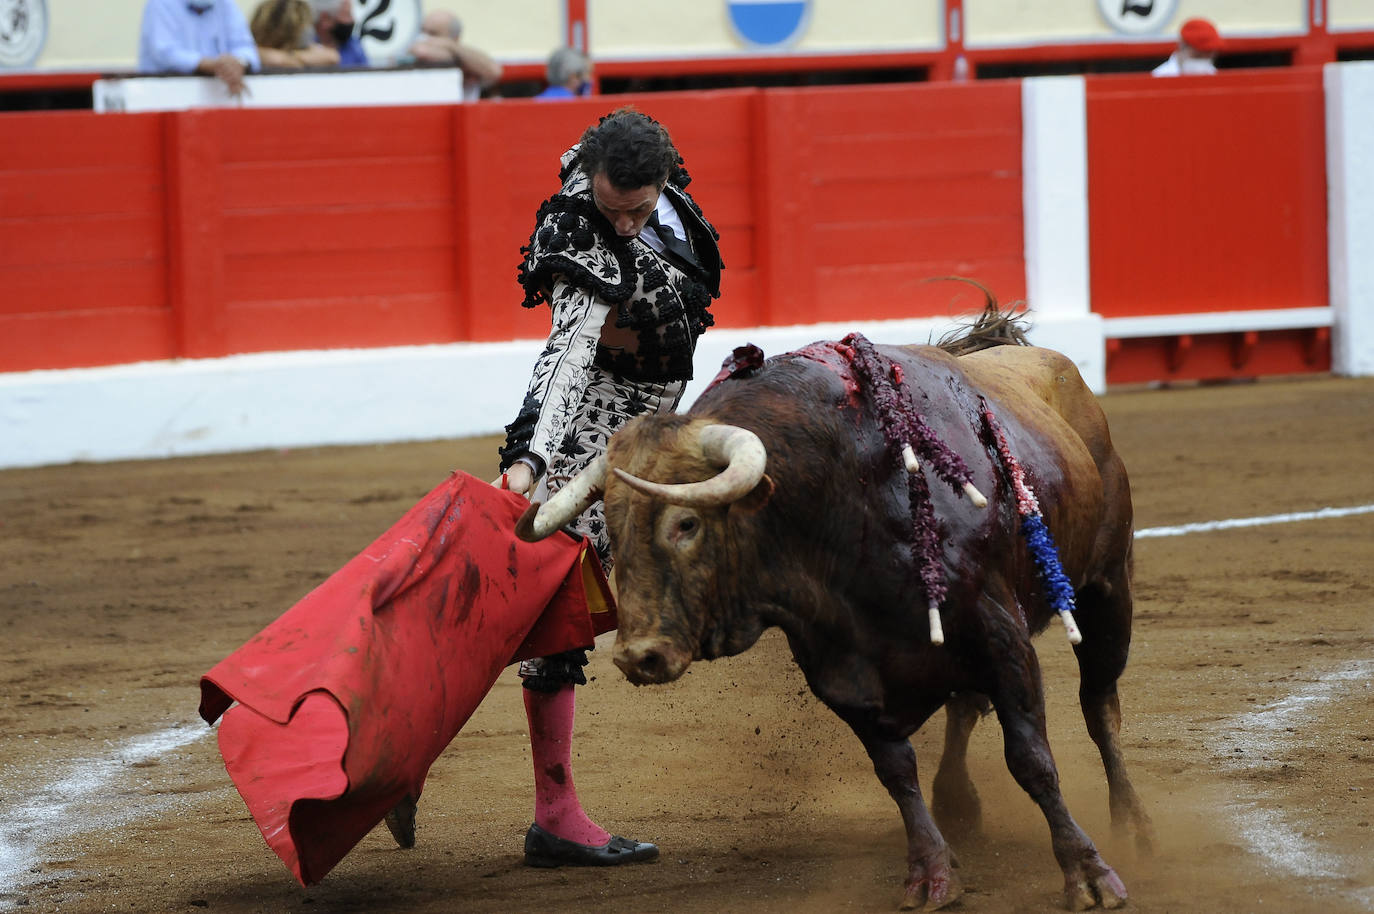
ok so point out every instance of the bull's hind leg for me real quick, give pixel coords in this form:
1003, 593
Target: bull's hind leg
1019, 699
930, 881
1104, 617
954, 799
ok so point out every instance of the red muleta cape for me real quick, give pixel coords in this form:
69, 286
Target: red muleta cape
346, 700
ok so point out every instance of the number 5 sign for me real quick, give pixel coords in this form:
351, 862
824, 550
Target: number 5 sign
387, 28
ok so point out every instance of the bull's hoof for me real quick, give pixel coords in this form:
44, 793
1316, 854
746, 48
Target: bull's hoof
400, 821
931, 894
1105, 889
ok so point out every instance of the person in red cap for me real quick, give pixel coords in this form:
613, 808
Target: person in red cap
1198, 44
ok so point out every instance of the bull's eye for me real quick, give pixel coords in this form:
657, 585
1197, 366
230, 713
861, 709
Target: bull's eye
681, 528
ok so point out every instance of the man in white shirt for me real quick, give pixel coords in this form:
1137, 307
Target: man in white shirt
1198, 44
205, 37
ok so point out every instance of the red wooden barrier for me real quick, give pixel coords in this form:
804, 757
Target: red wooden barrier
205, 233
82, 241
1208, 194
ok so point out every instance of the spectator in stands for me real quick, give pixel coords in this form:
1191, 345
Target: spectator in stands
1198, 44
441, 42
284, 31
205, 37
334, 28
569, 75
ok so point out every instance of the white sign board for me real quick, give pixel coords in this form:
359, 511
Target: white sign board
290, 90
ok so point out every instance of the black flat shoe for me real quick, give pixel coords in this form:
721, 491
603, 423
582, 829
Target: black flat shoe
545, 849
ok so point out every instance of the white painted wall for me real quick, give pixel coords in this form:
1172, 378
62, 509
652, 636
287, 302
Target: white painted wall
333, 397
1054, 170
1350, 214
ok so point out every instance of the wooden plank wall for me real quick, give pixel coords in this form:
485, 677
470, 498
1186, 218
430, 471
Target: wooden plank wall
83, 243
1209, 194
206, 233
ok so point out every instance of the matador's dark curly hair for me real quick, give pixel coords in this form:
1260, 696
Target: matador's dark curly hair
633, 150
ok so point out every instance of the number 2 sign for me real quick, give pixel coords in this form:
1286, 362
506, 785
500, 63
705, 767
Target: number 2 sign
387, 28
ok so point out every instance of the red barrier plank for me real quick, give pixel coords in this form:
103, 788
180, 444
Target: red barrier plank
1218, 356
1207, 194
79, 139
83, 289
337, 275
914, 289
287, 186
369, 230
81, 339
86, 190
72, 240
328, 134
940, 198
394, 319
897, 240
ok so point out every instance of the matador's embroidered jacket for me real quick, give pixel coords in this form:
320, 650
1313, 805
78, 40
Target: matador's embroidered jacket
616, 303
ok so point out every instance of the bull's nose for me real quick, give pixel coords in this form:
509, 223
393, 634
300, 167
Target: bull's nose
646, 661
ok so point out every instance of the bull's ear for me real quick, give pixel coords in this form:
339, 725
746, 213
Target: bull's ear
757, 496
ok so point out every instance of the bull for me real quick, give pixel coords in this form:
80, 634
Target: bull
777, 500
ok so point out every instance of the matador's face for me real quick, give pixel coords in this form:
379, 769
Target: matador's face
626, 210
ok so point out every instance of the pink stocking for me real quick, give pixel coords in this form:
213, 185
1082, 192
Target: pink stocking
556, 808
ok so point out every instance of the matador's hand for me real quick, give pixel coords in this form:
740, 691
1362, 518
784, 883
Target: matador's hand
519, 479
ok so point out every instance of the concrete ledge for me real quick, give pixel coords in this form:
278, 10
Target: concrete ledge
1221, 322
358, 396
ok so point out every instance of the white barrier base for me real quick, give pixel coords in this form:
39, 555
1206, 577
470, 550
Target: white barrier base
182, 408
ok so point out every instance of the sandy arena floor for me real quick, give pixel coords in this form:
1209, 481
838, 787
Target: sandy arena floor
1249, 700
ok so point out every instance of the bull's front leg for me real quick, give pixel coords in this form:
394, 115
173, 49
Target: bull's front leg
930, 881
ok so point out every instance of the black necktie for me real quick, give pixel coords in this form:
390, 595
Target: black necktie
671, 242
199, 8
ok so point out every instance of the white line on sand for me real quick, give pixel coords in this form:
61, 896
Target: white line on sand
1259, 739
1322, 514
76, 799
1256, 734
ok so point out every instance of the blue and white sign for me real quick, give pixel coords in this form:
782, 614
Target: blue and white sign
772, 24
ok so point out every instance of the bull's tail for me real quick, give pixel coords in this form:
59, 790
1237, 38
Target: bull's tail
993, 327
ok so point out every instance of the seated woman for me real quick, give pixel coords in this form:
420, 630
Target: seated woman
284, 32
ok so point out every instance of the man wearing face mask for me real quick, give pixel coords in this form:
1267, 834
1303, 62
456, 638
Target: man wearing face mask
335, 27
569, 75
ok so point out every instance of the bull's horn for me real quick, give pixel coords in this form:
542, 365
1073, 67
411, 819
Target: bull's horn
571, 500
737, 449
